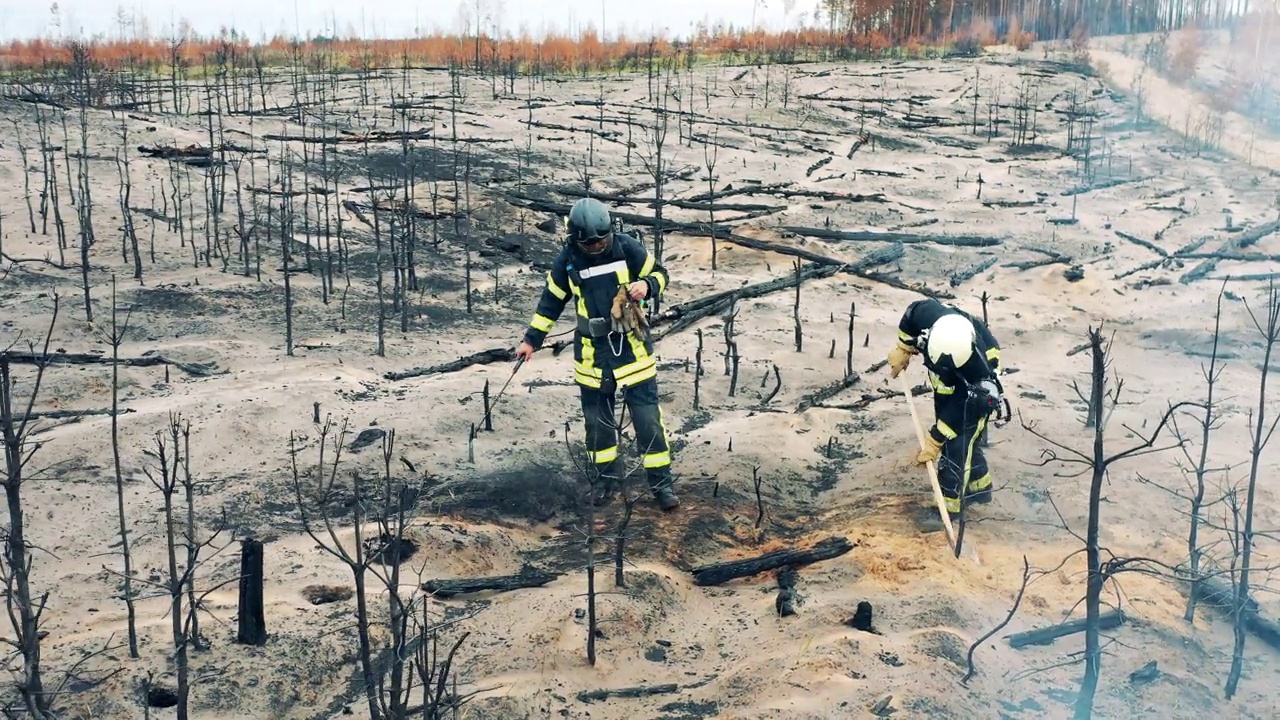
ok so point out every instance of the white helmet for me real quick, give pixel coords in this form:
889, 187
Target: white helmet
953, 335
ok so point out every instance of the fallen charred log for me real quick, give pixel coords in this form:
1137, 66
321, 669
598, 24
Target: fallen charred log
723, 233
828, 392
905, 238
1221, 595
348, 137
748, 189
1106, 621
961, 276
57, 358
1113, 182
1143, 243
720, 573
483, 357
638, 691
69, 414
687, 314
682, 204
1245, 239
399, 207
192, 155
867, 398
528, 577
1051, 258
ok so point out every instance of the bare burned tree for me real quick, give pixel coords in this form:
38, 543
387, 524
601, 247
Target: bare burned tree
130, 239
710, 152
171, 476
656, 165
387, 552
1269, 328
26, 175
1196, 469
24, 608
119, 329
1098, 464
321, 527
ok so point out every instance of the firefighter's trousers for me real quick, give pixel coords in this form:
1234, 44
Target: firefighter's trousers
961, 463
645, 419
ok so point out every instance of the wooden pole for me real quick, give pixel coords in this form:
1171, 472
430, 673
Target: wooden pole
932, 470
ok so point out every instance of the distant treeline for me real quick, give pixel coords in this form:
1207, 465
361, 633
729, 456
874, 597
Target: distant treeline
844, 29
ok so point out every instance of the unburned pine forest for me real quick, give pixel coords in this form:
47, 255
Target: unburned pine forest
268, 453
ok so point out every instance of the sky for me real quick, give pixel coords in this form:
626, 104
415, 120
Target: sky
389, 18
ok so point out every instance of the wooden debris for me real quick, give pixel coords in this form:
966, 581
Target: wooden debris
1106, 621
56, 358
1051, 258
898, 237
868, 398
192, 155
826, 393
638, 691
719, 573
1143, 243
372, 136
528, 577
962, 276
1245, 239
1110, 183
1220, 594
483, 357
67, 414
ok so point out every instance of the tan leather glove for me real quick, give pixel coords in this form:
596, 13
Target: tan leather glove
618, 313
932, 449
899, 358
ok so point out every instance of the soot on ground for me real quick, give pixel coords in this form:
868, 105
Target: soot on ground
162, 697
531, 493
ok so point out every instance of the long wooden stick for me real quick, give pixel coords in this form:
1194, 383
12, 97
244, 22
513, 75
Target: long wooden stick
933, 471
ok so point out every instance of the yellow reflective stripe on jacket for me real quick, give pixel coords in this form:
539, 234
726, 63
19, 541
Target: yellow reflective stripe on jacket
542, 323
946, 430
555, 289
647, 270
938, 386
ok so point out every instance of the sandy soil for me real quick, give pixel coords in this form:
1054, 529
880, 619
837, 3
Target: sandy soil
518, 501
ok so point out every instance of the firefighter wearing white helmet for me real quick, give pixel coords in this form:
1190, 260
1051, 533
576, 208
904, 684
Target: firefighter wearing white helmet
963, 359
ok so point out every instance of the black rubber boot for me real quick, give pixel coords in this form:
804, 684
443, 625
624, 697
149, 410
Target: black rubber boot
605, 486
662, 493
602, 493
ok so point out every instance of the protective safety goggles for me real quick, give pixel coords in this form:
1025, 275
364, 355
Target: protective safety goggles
589, 242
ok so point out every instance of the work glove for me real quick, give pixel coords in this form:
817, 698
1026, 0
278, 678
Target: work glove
930, 452
899, 358
626, 315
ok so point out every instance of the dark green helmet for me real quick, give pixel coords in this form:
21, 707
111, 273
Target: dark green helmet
590, 226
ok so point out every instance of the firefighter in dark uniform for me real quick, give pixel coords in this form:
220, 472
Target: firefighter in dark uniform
592, 265
963, 359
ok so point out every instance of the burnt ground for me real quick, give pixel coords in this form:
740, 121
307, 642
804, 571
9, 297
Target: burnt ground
837, 468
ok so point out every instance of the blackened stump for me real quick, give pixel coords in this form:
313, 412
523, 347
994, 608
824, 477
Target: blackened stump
252, 618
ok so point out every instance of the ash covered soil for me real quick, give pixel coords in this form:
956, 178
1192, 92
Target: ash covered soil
1047, 175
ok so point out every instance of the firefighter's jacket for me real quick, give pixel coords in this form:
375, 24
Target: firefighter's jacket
593, 282
982, 365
